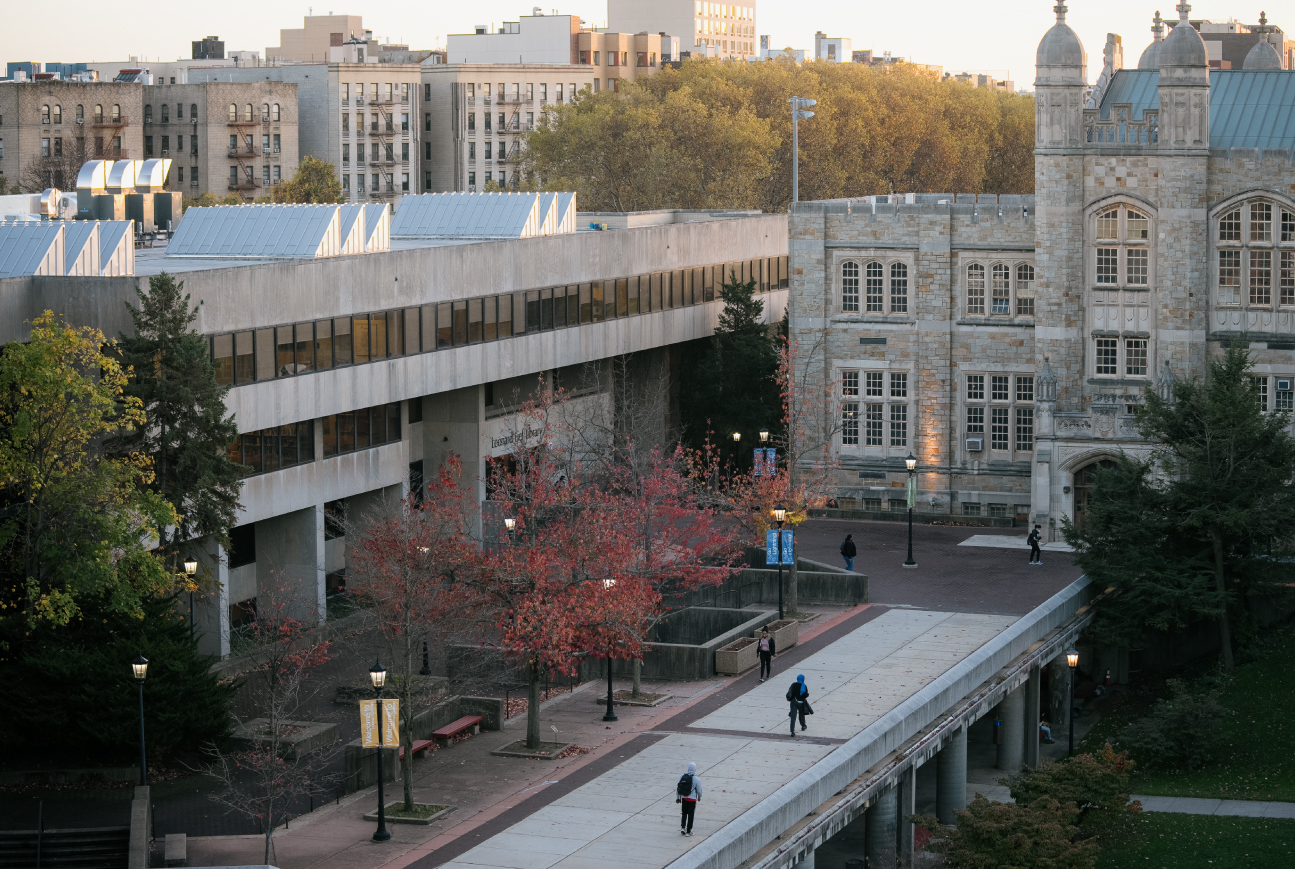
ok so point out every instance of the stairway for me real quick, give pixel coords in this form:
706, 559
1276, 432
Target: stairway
89, 848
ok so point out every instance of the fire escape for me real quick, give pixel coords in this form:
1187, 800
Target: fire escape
243, 152
382, 155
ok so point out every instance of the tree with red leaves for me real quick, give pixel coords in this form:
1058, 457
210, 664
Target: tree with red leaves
407, 568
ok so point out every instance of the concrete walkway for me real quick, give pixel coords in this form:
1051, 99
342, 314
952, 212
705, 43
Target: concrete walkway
998, 541
1231, 808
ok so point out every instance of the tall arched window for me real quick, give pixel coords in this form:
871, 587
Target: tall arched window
1256, 251
265, 111
44, 114
116, 112
1025, 290
850, 287
166, 113
1123, 248
898, 288
193, 110
274, 113
98, 114
976, 289
58, 114
80, 113
233, 113
247, 113
875, 288
1001, 290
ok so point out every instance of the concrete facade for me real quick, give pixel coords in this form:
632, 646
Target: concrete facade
1004, 340
708, 29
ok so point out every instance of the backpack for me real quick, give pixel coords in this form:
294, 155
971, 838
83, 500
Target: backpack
684, 788
793, 692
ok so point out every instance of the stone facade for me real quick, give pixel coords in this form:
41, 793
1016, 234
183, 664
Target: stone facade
1004, 340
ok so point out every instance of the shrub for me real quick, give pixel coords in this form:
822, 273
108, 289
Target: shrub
989, 835
1090, 781
1181, 731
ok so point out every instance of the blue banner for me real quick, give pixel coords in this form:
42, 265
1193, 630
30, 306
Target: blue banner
788, 548
771, 547
759, 461
771, 462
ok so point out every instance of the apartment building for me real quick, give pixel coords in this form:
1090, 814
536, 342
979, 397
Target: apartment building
310, 42
473, 118
223, 137
710, 29
69, 120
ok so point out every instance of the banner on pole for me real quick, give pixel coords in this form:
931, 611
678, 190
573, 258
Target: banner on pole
771, 546
912, 491
759, 461
369, 723
766, 462
788, 548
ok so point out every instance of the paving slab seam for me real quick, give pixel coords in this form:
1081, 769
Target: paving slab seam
1214, 806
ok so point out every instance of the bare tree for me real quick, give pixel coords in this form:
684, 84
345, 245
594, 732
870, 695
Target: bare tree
58, 169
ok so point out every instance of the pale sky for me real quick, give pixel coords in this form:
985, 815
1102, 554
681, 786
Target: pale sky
998, 38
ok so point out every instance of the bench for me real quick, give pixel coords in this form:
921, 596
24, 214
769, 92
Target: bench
419, 746
454, 728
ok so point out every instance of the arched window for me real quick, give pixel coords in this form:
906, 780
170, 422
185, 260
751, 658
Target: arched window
44, 114
148, 114
265, 111
850, 287
98, 114
898, 288
274, 113
875, 286
116, 112
976, 289
1256, 251
179, 111
166, 113
233, 113
58, 114
247, 113
1123, 248
1001, 290
193, 110
1025, 290
80, 113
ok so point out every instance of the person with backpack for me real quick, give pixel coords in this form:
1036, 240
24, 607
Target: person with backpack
798, 697
1036, 554
848, 551
767, 651
687, 793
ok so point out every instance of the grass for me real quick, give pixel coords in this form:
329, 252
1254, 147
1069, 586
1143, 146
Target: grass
1154, 840
1252, 760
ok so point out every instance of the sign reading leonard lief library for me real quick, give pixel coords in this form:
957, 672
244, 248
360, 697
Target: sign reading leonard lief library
369, 723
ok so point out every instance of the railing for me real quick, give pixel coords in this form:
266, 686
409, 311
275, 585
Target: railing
1122, 129
246, 152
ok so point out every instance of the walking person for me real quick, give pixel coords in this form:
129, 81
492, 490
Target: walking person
687, 793
798, 697
848, 551
767, 651
1036, 554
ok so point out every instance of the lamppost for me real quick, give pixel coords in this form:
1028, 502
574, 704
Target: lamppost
764, 436
190, 569
798, 113
911, 463
779, 516
378, 676
139, 667
611, 708
1072, 661
737, 437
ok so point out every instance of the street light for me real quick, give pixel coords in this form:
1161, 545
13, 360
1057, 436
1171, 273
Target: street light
737, 436
139, 667
911, 464
510, 523
190, 568
779, 516
378, 676
798, 113
1072, 661
764, 436
611, 709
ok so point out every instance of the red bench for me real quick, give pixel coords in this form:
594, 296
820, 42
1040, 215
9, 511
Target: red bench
419, 746
454, 728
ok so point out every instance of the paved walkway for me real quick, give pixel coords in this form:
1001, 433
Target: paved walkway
1233, 808
999, 541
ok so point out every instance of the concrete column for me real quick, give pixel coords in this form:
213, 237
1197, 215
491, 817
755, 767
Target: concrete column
806, 862
211, 605
290, 551
951, 777
1032, 701
1011, 740
907, 808
880, 825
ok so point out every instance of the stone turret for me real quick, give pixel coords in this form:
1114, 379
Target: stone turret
1151, 54
1184, 87
1263, 55
1059, 87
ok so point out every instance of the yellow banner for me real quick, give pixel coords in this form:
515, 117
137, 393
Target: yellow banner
369, 723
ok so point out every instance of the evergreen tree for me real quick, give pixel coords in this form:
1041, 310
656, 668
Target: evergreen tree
1201, 527
729, 382
187, 433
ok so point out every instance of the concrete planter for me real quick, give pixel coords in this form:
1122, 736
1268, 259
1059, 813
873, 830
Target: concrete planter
784, 633
300, 737
737, 657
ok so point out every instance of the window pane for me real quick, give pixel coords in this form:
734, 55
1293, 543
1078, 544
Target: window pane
379, 334
1108, 224
222, 359
998, 428
850, 287
505, 316
559, 307
305, 334
1107, 265
330, 436
410, 323
1025, 387
364, 428
342, 341
1230, 226
533, 311
489, 327
596, 292
998, 387
623, 295
1229, 277
360, 340
1261, 221
850, 384
975, 387
265, 358
872, 418
546, 308
633, 291
393, 422
899, 425
850, 423
1137, 226
1261, 277
676, 289
1135, 266
875, 288
1135, 357
975, 289
573, 305
323, 344
1025, 428
244, 370
444, 325
284, 363
288, 445
1106, 356
252, 451
1002, 293
474, 321
898, 384
1025, 291
460, 323
346, 432
975, 422
898, 288
427, 315
1288, 278
873, 383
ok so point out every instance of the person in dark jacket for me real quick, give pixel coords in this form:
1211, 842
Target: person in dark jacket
767, 651
688, 803
848, 551
798, 695
1036, 554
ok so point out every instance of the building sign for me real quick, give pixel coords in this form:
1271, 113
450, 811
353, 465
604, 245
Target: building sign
369, 723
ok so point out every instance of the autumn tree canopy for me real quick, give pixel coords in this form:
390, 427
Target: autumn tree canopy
717, 134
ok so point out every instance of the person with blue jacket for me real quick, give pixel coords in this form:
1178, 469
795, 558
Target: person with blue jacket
798, 696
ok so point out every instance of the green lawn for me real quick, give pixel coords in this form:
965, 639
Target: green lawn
1253, 758
1154, 840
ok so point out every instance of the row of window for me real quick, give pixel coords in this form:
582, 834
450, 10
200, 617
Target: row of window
1250, 271
881, 423
283, 351
518, 89
269, 175
376, 178
387, 94
269, 114
644, 59
1005, 404
284, 446
1107, 361
376, 124
472, 150
54, 114
878, 288
1254, 224
1280, 388
505, 125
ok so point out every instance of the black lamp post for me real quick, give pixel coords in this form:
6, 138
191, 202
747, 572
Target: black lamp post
764, 436
779, 515
611, 707
378, 675
911, 464
139, 667
1072, 661
190, 570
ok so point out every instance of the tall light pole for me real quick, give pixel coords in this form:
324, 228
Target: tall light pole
798, 113
611, 701
190, 569
911, 464
139, 667
779, 516
378, 676
1072, 661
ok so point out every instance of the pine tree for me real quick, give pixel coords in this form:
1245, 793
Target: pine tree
187, 432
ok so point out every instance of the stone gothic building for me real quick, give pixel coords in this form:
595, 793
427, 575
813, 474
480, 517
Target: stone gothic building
1004, 340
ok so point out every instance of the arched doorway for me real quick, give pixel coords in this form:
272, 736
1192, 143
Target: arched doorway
1085, 481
